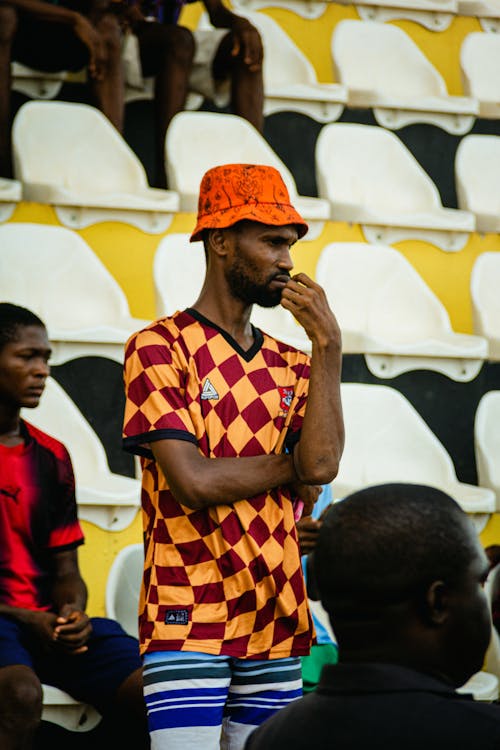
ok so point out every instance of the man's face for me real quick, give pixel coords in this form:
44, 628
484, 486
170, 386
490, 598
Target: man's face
261, 262
469, 628
24, 367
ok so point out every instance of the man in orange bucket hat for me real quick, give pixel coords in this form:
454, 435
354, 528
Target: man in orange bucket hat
236, 430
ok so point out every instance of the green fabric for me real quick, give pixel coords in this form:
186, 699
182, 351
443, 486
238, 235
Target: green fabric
312, 665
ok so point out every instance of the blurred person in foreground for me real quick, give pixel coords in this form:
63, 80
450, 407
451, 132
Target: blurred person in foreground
400, 571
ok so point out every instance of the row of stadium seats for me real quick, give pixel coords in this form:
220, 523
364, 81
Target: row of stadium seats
376, 66
385, 309
365, 174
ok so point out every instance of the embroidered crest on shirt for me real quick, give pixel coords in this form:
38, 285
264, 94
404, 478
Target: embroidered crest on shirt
286, 398
209, 393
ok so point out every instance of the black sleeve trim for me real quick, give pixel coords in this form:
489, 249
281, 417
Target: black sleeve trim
135, 444
66, 547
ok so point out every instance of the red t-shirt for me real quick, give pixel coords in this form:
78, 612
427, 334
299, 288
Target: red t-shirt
38, 515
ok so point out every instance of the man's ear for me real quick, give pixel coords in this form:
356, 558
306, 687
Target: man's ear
217, 242
437, 603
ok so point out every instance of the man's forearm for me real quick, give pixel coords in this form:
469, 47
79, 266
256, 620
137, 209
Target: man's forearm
45, 11
200, 482
69, 589
18, 614
317, 454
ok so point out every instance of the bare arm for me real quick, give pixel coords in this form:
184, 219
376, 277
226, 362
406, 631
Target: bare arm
317, 454
246, 37
199, 482
82, 27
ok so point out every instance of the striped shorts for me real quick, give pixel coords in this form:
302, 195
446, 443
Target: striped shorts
212, 702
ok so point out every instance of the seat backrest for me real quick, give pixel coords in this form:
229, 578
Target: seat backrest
178, 272
381, 57
198, 141
364, 165
123, 587
480, 63
477, 166
58, 415
387, 440
487, 440
485, 283
284, 62
73, 146
55, 273
375, 291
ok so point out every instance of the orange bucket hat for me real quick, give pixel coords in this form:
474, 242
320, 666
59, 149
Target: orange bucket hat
233, 192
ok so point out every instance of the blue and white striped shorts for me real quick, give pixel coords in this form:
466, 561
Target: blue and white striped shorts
211, 702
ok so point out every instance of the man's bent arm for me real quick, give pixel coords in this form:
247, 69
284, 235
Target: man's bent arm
317, 454
200, 482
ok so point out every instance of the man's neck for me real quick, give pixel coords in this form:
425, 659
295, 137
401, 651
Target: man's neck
10, 426
233, 316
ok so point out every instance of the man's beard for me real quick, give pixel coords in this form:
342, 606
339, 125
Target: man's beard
249, 291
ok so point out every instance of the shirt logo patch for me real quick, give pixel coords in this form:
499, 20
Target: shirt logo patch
176, 617
286, 398
209, 393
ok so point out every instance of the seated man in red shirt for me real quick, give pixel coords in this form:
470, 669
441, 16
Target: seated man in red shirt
45, 634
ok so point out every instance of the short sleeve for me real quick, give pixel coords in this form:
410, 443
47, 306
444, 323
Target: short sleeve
299, 410
65, 530
155, 375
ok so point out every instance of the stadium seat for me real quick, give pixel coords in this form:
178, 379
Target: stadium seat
487, 12
435, 15
387, 312
10, 195
383, 68
480, 63
60, 708
69, 155
197, 141
290, 81
178, 273
175, 291
388, 441
36, 84
487, 442
55, 273
485, 283
371, 178
109, 500
123, 586
477, 166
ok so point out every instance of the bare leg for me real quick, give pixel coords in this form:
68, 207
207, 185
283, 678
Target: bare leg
247, 87
167, 53
109, 91
8, 25
127, 725
20, 707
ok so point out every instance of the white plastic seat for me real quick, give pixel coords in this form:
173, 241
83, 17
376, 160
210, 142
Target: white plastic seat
435, 15
388, 441
179, 269
178, 272
197, 141
487, 12
371, 178
480, 62
290, 81
60, 708
123, 587
383, 68
55, 273
485, 283
70, 155
109, 500
10, 195
487, 442
36, 84
477, 165
387, 312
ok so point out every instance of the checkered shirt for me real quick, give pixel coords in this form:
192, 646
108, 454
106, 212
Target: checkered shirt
227, 579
